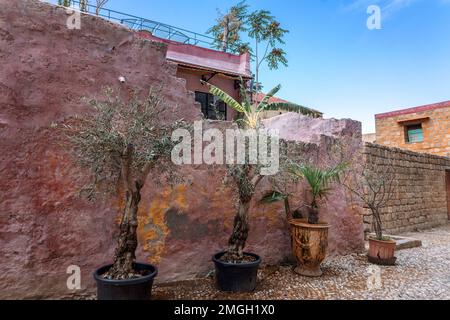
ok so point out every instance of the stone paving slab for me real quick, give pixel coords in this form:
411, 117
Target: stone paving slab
420, 273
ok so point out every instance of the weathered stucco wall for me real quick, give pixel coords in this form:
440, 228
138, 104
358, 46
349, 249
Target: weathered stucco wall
44, 226
420, 197
46, 69
327, 142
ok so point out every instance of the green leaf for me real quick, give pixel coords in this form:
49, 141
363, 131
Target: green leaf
292, 107
225, 97
272, 197
265, 101
318, 179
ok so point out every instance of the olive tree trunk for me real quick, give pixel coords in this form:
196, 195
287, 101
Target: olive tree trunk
125, 254
246, 183
238, 238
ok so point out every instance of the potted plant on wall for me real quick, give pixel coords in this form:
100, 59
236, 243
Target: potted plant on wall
374, 186
121, 143
236, 270
309, 237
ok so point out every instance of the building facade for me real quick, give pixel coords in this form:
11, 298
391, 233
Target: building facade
423, 129
222, 69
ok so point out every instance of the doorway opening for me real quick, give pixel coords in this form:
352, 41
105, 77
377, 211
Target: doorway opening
447, 183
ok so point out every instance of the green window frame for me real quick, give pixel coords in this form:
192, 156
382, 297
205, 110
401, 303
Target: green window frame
414, 133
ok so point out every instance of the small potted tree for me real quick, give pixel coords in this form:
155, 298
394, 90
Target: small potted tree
236, 270
121, 143
374, 186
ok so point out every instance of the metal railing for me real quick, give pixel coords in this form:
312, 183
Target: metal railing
157, 29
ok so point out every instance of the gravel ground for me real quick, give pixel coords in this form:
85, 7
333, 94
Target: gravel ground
420, 273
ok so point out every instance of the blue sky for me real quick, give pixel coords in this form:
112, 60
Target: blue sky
336, 64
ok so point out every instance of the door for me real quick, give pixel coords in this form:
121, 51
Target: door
447, 179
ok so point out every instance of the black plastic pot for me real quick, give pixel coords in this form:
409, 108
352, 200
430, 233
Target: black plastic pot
133, 289
236, 277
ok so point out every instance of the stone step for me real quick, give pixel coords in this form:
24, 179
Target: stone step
402, 243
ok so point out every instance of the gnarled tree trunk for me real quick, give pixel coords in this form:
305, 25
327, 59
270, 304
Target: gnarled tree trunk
238, 239
125, 254
246, 182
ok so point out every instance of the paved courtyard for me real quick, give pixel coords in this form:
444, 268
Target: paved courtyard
420, 273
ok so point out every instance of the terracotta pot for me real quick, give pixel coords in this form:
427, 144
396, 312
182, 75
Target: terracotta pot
309, 245
382, 252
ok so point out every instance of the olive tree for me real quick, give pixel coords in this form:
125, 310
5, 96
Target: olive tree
246, 177
121, 143
374, 186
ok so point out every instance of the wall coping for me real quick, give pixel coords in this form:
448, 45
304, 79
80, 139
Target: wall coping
406, 152
428, 107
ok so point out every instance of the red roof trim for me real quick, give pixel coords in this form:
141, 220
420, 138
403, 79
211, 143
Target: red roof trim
428, 107
260, 96
201, 68
204, 58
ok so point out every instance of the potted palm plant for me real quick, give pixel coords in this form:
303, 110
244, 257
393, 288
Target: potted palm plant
236, 270
121, 143
310, 236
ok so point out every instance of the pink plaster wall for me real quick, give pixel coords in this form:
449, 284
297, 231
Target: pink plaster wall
328, 142
226, 84
44, 226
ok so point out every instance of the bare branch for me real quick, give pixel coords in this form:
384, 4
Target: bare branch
376, 188
99, 5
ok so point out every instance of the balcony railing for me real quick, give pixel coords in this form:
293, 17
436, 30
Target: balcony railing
157, 29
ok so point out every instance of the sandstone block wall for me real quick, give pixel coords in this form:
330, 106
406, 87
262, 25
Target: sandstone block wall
436, 130
420, 195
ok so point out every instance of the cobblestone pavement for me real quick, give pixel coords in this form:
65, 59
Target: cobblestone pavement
420, 273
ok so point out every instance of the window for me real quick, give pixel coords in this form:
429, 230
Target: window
212, 107
414, 133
